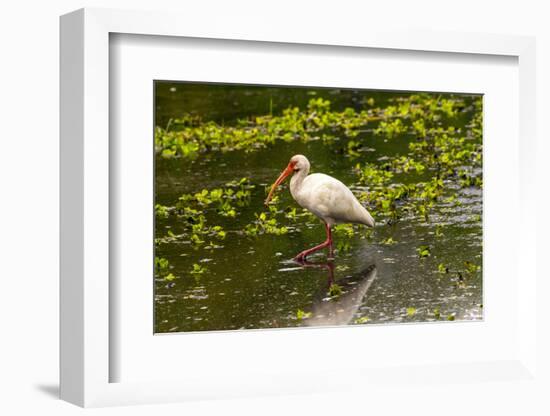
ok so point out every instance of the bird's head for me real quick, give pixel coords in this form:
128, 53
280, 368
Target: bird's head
298, 163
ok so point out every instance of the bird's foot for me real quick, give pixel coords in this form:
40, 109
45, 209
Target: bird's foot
300, 258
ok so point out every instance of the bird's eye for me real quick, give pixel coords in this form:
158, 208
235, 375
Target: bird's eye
296, 169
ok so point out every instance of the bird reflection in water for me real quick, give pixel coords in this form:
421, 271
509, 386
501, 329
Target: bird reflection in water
339, 310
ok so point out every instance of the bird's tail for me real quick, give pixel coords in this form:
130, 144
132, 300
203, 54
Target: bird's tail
369, 221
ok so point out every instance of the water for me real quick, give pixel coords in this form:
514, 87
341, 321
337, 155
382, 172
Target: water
253, 283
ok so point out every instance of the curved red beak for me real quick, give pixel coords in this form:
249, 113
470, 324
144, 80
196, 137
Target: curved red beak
284, 174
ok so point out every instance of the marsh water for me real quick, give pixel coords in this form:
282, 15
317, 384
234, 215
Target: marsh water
249, 281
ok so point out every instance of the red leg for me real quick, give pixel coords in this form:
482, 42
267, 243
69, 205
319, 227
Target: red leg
330, 247
327, 243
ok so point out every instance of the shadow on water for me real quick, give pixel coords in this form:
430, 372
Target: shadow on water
340, 309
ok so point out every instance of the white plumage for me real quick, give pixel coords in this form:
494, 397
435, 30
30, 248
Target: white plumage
326, 197
329, 199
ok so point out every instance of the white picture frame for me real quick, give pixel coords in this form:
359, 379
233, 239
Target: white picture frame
86, 356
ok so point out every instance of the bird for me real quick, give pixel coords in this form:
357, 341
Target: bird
324, 196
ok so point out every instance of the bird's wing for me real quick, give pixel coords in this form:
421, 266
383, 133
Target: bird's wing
330, 198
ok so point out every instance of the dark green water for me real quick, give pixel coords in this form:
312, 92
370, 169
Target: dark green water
252, 283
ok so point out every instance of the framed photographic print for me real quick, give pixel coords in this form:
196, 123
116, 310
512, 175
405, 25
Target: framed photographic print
249, 215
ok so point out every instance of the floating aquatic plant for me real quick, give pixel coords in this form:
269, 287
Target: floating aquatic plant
344, 230
391, 129
423, 251
471, 267
161, 265
198, 269
265, 225
300, 315
169, 277
162, 269
162, 211
335, 290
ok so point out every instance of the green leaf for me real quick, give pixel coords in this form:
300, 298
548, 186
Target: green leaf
169, 277
423, 251
300, 314
335, 290
471, 267
198, 269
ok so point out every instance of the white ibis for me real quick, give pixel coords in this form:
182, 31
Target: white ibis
326, 197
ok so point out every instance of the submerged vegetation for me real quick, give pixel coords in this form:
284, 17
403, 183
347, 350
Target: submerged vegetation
439, 154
